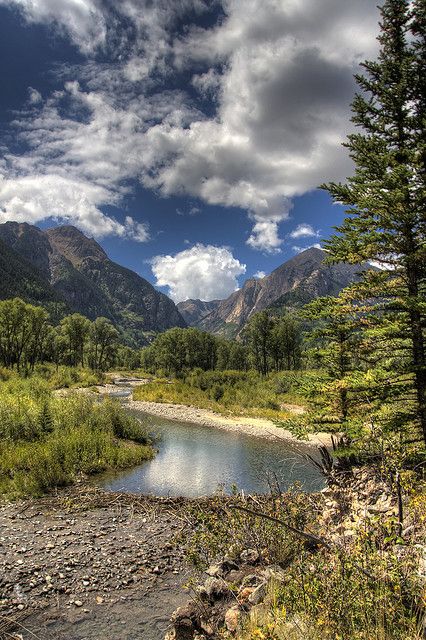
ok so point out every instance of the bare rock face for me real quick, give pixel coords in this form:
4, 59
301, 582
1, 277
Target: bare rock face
192, 311
85, 280
291, 285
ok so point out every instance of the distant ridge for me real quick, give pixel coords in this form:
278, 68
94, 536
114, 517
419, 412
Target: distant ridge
294, 283
193, 311
62, 265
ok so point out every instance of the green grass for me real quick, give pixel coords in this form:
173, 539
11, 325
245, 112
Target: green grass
48, 441
68, 377
232, 392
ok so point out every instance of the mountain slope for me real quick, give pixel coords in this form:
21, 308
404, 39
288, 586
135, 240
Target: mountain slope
20, 279
292, 284
192, 311
80, 273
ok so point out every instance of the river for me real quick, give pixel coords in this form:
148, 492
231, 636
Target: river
195, 460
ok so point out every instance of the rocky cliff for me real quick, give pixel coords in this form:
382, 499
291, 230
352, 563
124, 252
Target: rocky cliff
193, 311
291, 285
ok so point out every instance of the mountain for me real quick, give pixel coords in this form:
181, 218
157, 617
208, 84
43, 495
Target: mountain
192, 311
20, 279
76, 270
291, 285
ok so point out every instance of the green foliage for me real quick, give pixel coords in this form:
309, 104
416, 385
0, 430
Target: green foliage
231, 392
386, 200
368, 590
178, 351
27, 339
274, 343
47, 441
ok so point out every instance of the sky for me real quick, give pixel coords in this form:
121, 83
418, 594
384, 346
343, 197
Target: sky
189, 137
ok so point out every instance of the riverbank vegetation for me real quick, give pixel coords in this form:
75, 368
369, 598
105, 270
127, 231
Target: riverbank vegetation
48, 441
302, 567
235, 392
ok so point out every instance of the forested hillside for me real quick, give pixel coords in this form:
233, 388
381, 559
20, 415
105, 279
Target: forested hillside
75, 270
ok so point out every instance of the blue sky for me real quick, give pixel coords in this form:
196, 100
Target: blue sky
187, 136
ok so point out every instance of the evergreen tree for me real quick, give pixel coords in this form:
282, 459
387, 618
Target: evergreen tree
386, 220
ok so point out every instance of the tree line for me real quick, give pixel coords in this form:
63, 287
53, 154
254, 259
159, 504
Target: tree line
267, 344
27, 338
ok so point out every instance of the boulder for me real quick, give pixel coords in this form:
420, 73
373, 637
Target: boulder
216, 588
249, 556
259, 594
185, 622
232, 617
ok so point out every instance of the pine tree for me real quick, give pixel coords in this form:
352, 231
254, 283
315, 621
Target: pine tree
386, 220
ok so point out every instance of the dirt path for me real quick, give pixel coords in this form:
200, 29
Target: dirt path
89, 565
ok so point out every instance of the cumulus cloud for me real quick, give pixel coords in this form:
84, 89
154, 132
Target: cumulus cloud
202, 272
259, 274
304, 231
298, 249
36, 198
280, 73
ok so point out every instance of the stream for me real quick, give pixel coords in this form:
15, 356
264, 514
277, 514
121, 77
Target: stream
195, 460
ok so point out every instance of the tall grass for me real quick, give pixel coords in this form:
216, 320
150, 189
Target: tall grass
47, 441
232, 392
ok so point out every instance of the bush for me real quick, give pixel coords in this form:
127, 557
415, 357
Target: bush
47, 441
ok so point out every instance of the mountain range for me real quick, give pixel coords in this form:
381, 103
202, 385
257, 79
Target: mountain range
67, 272
294, 283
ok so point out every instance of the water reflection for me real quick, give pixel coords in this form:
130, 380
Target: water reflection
194, 461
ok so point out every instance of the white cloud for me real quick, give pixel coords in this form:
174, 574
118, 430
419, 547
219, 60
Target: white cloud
202, 272
35, 96
265, 237
304, 231
259, 274
81, 19
298, 249
36, 198
281, 75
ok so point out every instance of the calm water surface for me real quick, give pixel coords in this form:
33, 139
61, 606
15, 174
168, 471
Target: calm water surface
195, 461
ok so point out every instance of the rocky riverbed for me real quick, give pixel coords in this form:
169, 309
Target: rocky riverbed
88, 565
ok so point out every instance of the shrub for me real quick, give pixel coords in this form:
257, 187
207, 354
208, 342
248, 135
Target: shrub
47, 441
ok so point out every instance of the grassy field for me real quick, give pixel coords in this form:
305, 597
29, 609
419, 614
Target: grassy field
47, 441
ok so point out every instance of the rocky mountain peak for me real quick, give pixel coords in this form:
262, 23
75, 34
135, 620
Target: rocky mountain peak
74, 245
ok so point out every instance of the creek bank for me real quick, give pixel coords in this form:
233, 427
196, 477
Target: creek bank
90, 564
258, 427
240, 588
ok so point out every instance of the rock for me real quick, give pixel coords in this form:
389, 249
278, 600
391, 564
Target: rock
232, 618
216, 588
78, 603
258, 595
249, 556
275, 572
185, 622
221, 568
251, 580
244, 593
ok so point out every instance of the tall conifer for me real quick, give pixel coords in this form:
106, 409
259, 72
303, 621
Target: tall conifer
386, 220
